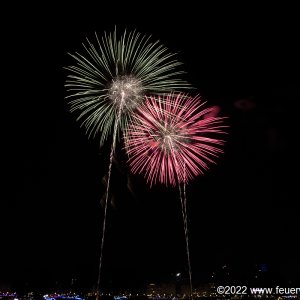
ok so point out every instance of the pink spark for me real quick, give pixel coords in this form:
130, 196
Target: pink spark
174, 138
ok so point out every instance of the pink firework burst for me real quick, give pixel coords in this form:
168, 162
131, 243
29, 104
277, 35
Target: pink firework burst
174, 138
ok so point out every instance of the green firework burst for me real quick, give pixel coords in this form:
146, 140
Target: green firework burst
112, 76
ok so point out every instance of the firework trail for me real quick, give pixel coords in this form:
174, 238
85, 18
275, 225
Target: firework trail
109, 81
173, 139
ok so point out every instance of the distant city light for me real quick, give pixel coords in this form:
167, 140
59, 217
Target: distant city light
58, 297
120, 297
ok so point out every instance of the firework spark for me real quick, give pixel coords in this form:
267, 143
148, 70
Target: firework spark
112, 76
173, 138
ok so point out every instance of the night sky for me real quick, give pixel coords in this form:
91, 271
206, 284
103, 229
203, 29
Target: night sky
243, 212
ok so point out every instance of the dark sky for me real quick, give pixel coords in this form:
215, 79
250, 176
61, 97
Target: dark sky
243, 212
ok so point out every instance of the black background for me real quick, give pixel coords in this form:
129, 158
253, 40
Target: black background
243, 212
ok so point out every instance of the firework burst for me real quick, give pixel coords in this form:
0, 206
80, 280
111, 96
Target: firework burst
111, 77
173, 138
